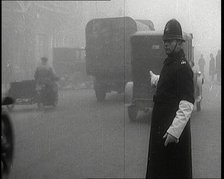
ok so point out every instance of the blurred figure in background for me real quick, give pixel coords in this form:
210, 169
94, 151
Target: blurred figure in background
212, 67
45, 77
201, 64
218, 66
7, 74
44, 72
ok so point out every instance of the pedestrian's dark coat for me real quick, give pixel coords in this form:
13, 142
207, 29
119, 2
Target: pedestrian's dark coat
175, 84
201, 64
218, 66
44, 74
212, 69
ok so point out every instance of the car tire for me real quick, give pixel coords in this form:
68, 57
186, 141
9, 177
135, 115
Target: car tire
100, 95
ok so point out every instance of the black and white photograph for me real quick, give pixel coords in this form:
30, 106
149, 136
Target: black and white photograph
111, 89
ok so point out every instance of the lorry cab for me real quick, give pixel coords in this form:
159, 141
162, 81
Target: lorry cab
147, 54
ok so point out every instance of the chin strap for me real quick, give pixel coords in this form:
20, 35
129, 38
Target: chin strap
174, 48
183, 114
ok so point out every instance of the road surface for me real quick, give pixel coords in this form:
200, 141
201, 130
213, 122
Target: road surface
82, 138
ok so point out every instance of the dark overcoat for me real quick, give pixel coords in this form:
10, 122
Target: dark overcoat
175, 84
212, 66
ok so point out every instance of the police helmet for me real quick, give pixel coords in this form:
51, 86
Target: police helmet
173, 31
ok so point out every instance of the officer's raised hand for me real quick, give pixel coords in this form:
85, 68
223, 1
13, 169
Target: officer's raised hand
169, 139
154, 78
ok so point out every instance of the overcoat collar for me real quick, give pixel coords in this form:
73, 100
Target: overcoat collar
174, 56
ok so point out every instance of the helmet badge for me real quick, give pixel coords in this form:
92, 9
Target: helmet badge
166, 29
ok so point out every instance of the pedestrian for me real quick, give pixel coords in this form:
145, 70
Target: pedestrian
218, 66
9, 75
212, 67
169, 153
45, 75
201, 64
44, 72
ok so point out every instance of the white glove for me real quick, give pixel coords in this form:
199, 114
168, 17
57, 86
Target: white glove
154, 78
182, 116
198, 98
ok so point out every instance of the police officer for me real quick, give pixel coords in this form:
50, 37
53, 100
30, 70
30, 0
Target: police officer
170, 137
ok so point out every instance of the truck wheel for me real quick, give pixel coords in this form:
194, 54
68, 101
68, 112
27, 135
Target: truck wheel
100, 95
198, 106
55, 99
132, 112
55, 102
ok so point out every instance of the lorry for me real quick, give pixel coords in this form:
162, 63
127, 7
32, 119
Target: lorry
108, 52
147, 54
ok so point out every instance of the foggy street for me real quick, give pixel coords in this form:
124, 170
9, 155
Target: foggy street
82, 138
78, 79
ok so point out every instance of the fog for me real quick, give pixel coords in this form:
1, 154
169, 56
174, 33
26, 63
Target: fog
84, 110
42, 25
202, 18
33, 29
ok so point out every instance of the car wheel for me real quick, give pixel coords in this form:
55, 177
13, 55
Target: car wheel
100, 95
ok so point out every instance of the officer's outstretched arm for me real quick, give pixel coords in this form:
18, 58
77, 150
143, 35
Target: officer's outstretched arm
154, 78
